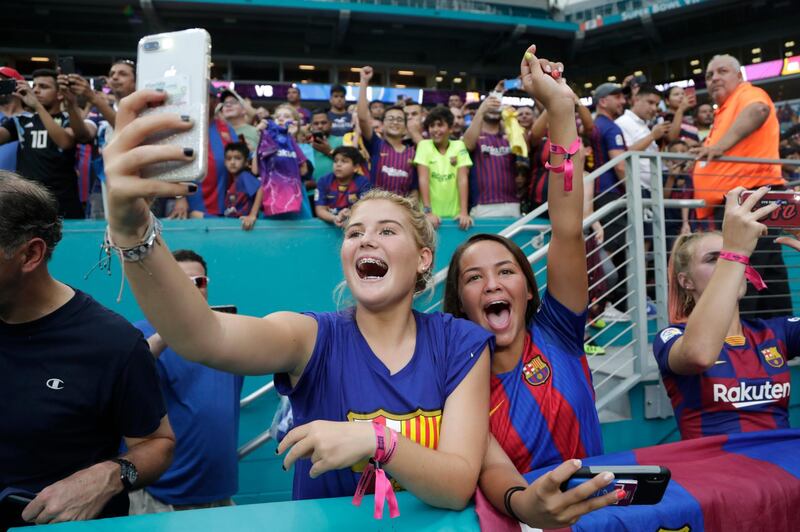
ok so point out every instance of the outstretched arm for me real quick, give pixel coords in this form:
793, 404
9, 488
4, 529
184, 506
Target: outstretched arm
281, 342
566, 277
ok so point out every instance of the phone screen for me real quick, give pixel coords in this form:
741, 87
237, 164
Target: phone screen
66, 64
510, 84
628, 485
227, 309
8, 86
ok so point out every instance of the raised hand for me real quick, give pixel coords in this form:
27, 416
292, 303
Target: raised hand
125, 156
740, 225
544, 80
366, 74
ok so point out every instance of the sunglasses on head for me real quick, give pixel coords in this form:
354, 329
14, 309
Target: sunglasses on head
200, 281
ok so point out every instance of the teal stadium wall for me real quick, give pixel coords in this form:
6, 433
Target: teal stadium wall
293, 266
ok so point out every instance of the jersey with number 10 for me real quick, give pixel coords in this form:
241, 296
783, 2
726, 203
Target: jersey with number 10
40, 159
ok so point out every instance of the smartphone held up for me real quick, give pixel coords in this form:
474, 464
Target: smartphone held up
787, 215
178, 64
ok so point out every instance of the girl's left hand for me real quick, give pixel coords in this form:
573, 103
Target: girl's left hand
329, 444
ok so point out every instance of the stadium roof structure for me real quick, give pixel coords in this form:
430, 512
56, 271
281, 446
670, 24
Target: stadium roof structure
479, 41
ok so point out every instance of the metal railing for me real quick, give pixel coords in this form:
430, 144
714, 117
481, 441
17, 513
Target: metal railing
631, 275
263, 437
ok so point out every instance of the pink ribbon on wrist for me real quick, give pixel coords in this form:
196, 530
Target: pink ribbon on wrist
566, 166
373, 470
750, 273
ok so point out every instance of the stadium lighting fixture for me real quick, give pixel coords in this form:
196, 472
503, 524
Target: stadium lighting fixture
697, 71
694, 62
40, 59
355, 69
756, 60
439, 78
612, 78
587, 85
638, 73
788, 44
456, 80
788, 53
307, 67
756, 51
400, 86
405, 72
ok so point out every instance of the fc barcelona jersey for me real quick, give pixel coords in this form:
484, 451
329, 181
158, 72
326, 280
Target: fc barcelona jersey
542, 411
748, 387
345, 381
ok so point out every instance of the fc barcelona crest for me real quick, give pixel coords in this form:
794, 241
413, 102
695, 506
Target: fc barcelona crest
773, 357
536, 371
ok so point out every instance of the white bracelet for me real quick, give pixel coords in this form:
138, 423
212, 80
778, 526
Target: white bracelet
138, 252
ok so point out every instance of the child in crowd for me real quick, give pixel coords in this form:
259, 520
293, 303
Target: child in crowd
392, 159
443, 171
281, 163
723, 373
243, 197
338, 191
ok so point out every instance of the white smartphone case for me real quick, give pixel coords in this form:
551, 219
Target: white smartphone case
178, 63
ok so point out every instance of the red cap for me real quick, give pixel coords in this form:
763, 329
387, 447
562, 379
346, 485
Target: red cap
11, 73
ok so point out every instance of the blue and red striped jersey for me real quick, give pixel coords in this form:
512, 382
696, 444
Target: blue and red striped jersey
390, 169
493, 170
210, 199
746, 390
542, 411
336, 196
729, 482
606, 135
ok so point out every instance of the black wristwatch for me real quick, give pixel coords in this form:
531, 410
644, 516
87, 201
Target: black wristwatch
128, 473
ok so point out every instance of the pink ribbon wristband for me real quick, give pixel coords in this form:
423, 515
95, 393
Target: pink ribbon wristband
566, 167
373, 470
750, 273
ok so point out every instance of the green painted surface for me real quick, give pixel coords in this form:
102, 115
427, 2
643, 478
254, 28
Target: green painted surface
322, 514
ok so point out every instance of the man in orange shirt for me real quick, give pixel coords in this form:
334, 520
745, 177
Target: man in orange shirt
745, 125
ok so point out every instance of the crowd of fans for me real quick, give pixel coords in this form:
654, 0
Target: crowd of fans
55, 127
388, 175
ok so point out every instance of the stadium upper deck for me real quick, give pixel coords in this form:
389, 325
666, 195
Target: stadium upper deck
452, 44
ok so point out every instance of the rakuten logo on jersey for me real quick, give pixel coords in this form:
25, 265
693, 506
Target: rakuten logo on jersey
746, 395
